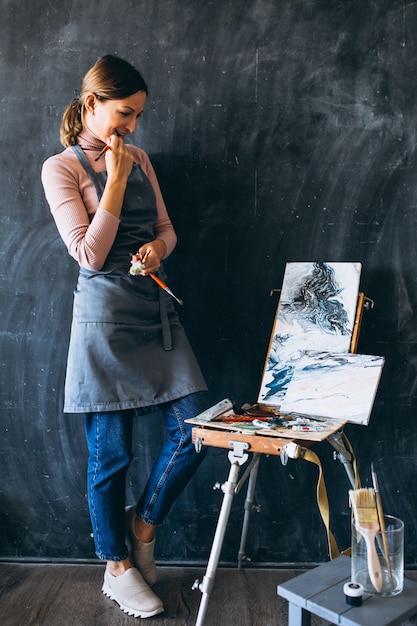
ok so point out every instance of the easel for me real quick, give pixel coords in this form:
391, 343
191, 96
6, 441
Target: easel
240, 446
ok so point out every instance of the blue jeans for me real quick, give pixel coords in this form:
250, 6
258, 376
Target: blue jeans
109, 440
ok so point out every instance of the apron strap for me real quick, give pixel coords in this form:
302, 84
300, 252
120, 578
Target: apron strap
96, 178
166, 329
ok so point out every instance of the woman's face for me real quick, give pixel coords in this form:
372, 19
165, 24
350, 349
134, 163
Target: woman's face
109, 117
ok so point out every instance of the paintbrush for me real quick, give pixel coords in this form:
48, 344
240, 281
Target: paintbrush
102, 153
382, 523
164, 287
137, 269
107, 147
365, 513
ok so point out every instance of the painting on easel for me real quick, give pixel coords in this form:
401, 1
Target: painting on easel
311, 385
341, 386
308, 369
316, 312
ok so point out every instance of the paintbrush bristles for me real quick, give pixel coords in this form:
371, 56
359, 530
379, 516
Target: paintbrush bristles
363, 502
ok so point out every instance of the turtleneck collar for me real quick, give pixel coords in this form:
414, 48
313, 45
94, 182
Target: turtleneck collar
88, 141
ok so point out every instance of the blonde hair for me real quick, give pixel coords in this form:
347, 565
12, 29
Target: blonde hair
111, 78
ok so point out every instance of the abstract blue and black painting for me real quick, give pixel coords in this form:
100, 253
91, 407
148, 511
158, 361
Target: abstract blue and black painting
337, 386
316, 313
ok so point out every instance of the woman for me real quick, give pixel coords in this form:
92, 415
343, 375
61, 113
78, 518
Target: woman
128, 353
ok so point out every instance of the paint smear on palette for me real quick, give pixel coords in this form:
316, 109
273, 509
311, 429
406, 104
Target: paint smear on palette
341, 386
317, 310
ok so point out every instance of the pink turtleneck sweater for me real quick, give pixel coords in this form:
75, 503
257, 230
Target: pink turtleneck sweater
88, 230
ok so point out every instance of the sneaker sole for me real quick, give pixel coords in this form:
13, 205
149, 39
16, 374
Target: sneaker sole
110, 594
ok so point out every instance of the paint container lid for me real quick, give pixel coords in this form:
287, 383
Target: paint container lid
353, 593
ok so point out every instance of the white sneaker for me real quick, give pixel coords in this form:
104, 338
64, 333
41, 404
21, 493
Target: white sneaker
132, 594
141, 554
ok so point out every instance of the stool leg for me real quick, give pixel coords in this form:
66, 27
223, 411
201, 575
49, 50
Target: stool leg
207, 583
297, 616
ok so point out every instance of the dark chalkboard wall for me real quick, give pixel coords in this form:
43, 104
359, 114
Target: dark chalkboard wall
280, 130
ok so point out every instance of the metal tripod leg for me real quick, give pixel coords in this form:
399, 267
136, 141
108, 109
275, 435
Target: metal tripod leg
237, 457
250, 494
344, 456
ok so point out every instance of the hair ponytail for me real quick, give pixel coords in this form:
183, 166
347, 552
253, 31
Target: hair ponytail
111, 78
71, 124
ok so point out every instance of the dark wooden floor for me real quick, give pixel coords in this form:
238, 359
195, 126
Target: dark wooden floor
70, 595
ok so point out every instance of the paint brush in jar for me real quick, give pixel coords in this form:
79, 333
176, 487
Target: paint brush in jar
366, 522
382, 524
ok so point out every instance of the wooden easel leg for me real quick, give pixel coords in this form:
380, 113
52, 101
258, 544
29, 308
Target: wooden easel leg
237, 458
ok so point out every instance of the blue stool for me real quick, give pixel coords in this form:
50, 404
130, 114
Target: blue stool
320, 592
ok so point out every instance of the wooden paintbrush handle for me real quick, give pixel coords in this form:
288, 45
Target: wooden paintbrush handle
384, 536
374, 566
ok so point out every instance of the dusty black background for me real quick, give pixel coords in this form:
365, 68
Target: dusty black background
281, 130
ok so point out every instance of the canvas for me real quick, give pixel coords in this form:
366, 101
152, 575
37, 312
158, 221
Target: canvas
341, 386
316, 311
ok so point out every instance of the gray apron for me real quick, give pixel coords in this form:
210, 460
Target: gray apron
127, 347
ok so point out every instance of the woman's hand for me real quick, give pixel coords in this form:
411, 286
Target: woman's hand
150, 255
119, 161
